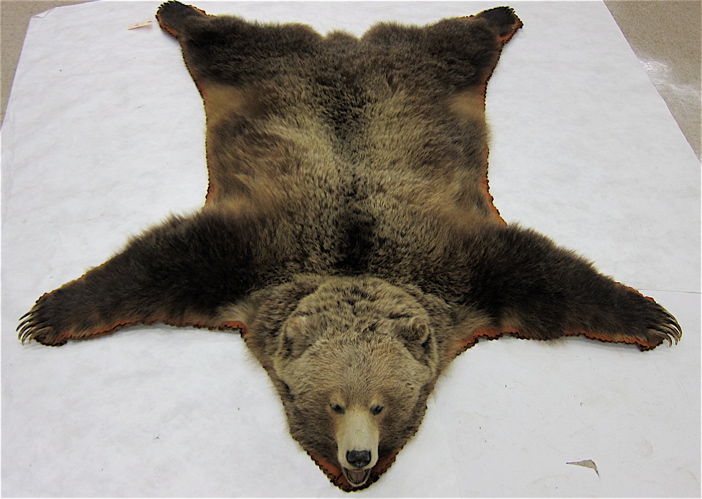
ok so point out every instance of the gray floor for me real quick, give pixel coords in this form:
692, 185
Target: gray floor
665, 35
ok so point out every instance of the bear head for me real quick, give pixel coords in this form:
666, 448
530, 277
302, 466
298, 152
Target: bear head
355, 361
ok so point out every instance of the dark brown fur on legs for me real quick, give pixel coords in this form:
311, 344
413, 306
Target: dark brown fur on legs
348, 230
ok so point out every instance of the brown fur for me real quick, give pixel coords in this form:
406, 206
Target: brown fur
347, 230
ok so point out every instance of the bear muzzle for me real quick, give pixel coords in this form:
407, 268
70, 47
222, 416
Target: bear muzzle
357, 439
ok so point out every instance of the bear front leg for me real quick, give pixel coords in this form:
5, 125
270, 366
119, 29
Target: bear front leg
178, 273
530, 288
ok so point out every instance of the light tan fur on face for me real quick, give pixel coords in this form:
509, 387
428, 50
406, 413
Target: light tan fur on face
357, 429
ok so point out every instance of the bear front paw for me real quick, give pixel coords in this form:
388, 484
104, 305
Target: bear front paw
645, 323
37, 325
630, 318
662, 326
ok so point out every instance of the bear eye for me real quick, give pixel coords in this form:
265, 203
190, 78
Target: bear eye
338, 409
376, 409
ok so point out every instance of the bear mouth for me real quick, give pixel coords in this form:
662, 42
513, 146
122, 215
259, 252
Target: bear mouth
356, 477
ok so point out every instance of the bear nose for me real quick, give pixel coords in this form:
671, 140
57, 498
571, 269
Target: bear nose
358, 458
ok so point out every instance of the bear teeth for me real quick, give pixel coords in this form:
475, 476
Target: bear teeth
357, 477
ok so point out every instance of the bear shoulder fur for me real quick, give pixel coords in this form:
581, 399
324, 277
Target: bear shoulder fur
348, 232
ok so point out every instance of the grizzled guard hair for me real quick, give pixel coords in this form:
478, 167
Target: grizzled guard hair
348, 207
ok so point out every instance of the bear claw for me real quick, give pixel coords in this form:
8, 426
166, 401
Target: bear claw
671, 333
669, 329
34, 326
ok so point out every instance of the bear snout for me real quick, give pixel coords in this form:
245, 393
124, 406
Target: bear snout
357, 437
358, 458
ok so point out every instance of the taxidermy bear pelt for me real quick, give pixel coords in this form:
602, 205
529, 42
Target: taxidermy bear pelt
348, 232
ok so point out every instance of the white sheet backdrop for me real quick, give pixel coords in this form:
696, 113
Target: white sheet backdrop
104, 136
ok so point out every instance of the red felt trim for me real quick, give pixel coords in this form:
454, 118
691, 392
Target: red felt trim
226, 326
485, 182
235, 325
486, 192
621, 338
495, 333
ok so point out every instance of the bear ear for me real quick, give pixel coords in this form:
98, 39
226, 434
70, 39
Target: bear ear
293, 340
419, 340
